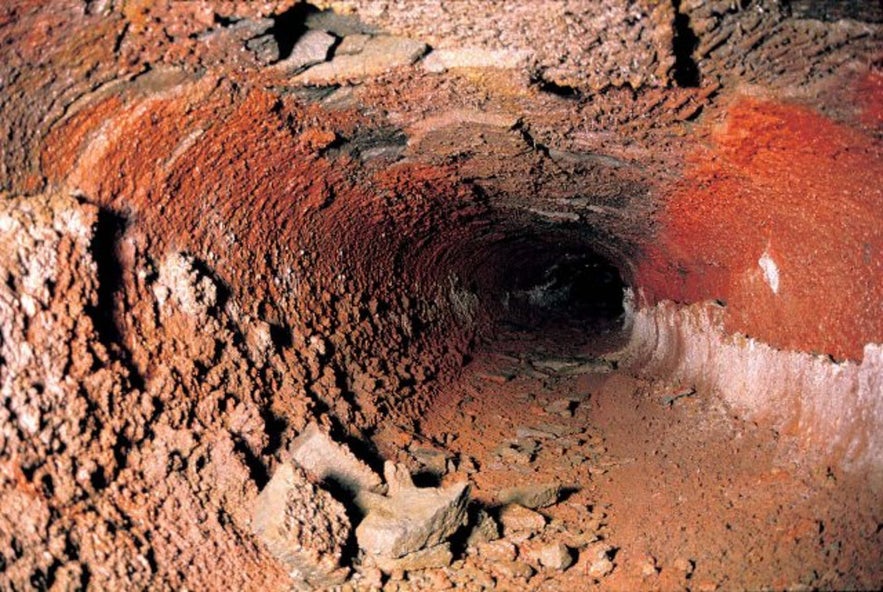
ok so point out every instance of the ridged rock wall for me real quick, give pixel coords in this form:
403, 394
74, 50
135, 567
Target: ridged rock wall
834, 410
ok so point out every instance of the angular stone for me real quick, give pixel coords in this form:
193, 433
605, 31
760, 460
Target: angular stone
413, 519
433, 459
432, 557
599, 559
378, 55
555, 556
485, 529
311, 49
303, 526
517, 518
531, 496
326, 460
264, 47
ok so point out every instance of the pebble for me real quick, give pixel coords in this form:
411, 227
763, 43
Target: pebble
497, 551
513, 569
555, 556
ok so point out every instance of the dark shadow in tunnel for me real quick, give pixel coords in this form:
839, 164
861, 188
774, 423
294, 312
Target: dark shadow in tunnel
576, 289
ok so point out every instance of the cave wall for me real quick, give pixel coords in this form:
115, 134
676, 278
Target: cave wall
219, 251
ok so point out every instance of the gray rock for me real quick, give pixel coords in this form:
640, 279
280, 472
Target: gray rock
432, 458
412, 519
303, 526
326, 460
562, 407
485, 529
378, 55
311, 49
352, 45
265, 48
339, 24
531, 496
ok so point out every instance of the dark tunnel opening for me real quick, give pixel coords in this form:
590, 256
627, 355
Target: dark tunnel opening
553, 287
577, 287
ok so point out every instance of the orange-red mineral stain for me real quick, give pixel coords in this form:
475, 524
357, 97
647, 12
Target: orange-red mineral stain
781, 218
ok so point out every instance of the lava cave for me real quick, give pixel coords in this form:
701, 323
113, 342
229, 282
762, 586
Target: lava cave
375, 295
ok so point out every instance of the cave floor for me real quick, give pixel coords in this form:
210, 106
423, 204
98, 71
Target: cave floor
666, 481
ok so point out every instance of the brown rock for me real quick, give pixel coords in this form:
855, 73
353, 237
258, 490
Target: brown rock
514, 570
432, 557
516, 518
412, 519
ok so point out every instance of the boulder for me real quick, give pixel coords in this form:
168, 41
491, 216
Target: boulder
303, 526
411, 518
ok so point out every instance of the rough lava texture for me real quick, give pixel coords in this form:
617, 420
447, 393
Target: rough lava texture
224, 221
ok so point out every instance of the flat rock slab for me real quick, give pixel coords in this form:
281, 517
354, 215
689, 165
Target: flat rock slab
327, 460
365, 57
303, 526
412, 519
531, 496
430, 558
473, 57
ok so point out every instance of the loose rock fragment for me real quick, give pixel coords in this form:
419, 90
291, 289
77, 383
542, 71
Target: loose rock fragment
497, 551
432, 557
562, 407
411, 519
599, 556
514, 569
531, 496
312, 48
555, 556
325, 459
485, 529
303, 526
517, 518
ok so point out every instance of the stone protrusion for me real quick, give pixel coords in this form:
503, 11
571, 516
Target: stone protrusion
303, 526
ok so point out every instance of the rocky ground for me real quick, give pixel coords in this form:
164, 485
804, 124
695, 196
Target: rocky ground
656, 485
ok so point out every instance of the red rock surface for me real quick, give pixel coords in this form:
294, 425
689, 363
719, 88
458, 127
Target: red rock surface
781, 180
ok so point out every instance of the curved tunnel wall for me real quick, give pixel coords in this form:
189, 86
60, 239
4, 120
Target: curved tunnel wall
344, 247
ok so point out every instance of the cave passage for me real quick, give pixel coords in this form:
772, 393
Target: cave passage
476, 295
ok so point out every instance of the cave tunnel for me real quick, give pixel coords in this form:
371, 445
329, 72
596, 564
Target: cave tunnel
365, 295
